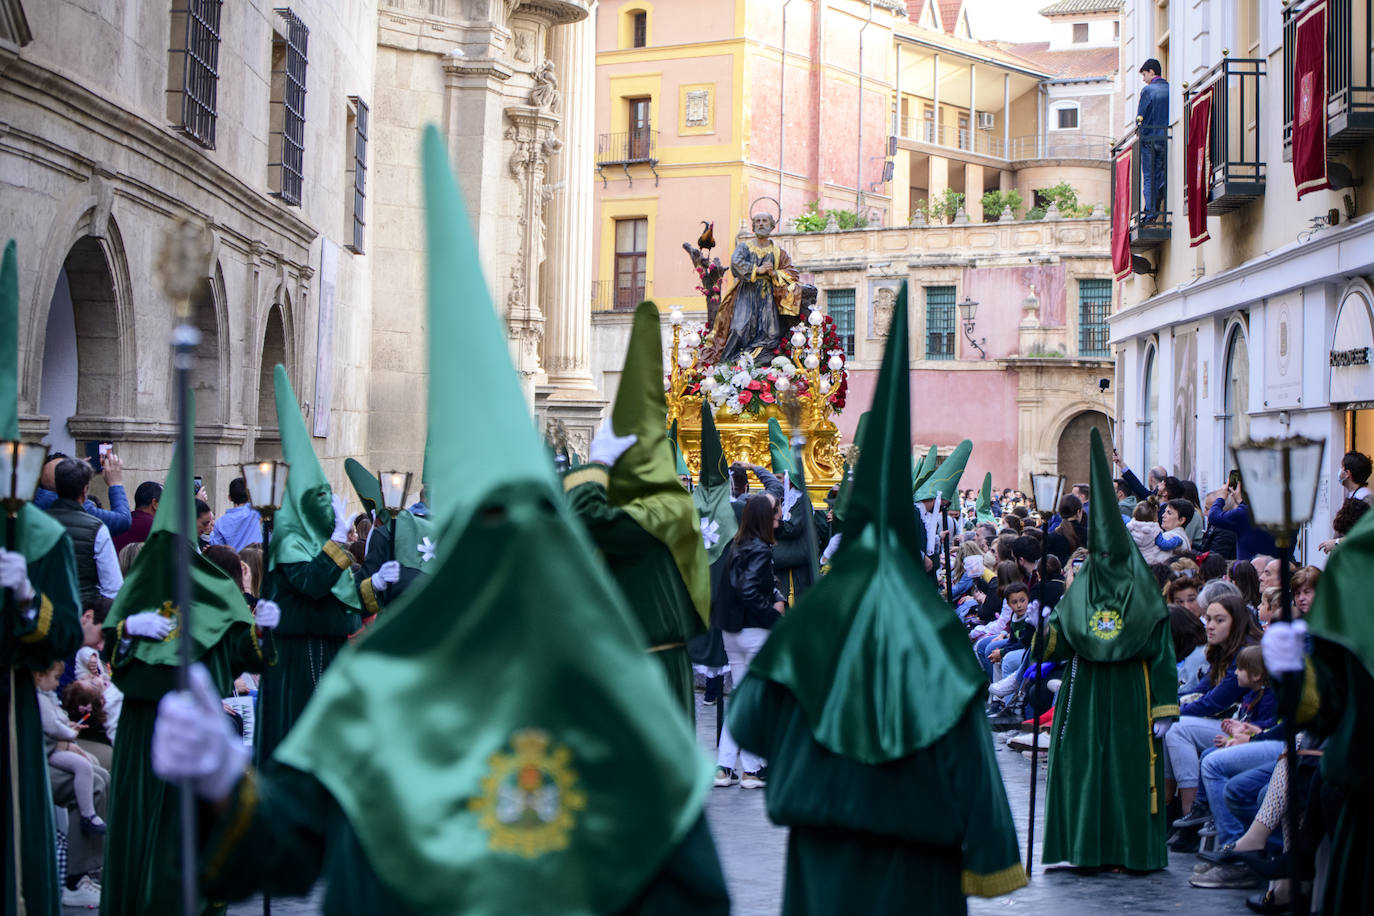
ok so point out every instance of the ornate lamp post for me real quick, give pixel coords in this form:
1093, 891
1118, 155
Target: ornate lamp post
1045, 490
968, 308
395, 487
21, 464
1280, 478
266, 482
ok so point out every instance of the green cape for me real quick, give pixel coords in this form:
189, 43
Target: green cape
712, 495
924, 468
871, 653
985, 500
366, 486
944, 482
540, 765
1340, 611
644, 481
416, 540
780, 449
216, 600
1114, 604
305, 520
36, 531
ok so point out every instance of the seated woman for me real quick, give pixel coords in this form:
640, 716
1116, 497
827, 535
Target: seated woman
1230, 628
1190, 644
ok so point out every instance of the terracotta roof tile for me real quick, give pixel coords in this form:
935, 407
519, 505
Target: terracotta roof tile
1066, 7
1087, 62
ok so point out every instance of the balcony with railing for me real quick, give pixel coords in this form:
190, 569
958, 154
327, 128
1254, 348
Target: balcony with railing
638, 146
1349, 72
607, 295
1237, 172
1049, 145
1148, 219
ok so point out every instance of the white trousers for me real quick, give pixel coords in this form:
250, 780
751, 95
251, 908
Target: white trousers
740, 649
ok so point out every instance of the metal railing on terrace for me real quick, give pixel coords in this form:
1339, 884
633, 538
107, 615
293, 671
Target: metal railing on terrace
632, 147
1349, 72
607, 296
1148, 219
1237, 170
1049, 145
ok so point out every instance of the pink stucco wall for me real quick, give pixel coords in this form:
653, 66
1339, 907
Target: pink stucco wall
948, 407
1000, 293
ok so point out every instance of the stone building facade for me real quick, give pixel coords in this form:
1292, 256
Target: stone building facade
293, 133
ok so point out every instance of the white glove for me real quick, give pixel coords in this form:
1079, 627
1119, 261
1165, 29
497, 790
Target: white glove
607, 447
149, 625
389, 574
192, 739
340, 520
1283, 645
1162, 726
14, 575
267, 614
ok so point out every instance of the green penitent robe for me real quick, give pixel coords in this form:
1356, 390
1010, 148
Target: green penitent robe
916, 834
282, 831
315, 624
142, 847
647, 574
28, 645
1104, 800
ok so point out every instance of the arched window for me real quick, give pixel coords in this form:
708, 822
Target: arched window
1236, 409
1149, 411
634, 28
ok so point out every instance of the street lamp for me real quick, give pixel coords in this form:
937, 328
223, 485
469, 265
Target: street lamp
1279, 480
1045, 490
266, 483
968, 308
21, 464
395, 485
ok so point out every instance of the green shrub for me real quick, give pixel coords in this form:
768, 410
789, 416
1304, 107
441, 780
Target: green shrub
994, 202
1064, 197
814, 219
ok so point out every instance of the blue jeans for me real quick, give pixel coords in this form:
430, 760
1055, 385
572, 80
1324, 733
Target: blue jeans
1012, 662
1154, 156
986, 645
1236, 774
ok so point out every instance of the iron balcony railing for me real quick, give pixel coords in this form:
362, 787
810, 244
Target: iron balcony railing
607, 296
1237, 171
1049, 145
1349, 72
1148, 219
638, 146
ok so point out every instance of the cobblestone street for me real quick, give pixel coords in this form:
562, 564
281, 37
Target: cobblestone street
753, 852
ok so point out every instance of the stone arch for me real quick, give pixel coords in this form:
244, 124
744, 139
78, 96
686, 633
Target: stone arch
1235, 389
1072, 444
81, 362
210, 362
275, 347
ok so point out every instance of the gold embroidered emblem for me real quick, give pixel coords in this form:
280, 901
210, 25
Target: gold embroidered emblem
169, 611
529, 798
1106, 624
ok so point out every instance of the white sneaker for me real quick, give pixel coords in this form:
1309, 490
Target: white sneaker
751, 781
1005, 687
86, 894
725, 778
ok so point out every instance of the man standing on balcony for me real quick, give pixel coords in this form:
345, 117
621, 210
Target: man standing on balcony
1152, 115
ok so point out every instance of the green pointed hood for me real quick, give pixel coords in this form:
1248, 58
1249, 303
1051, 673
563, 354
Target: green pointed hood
644, 481
217, 603
1111, 609
944, 482
872, 654
37, 531
924, 468
679, 462
305, 520
841, 506
985, 500
366, 486
1340, 611
780, 449
561, 699
712, 495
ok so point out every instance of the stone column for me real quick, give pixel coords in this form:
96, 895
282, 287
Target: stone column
568, 270
571, 395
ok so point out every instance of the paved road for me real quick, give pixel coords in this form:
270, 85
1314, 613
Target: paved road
753, 852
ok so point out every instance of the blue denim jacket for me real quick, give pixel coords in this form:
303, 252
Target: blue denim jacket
1154, 109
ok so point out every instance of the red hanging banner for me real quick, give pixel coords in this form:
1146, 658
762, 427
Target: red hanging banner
1309, 100
1121, 214
1199, 171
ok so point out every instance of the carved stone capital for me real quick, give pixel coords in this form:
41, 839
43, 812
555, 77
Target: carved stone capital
533, 133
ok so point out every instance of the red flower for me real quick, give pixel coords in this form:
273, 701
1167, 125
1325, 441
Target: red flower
755, 385
767, 398
745, 397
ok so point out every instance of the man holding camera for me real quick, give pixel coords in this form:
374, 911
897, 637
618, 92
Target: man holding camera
116, 518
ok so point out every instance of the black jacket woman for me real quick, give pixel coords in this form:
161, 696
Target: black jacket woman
750, 606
